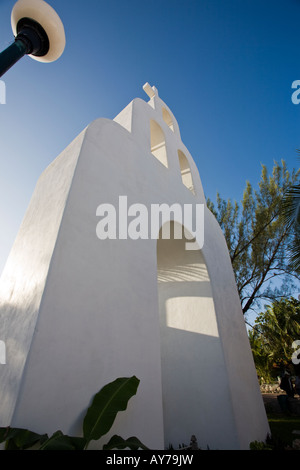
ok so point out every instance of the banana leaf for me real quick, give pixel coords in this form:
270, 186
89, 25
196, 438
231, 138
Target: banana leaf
111, 399
60, 441
117, 442
20, 439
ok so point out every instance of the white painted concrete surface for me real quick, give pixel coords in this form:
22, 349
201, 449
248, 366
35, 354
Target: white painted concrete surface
76, 312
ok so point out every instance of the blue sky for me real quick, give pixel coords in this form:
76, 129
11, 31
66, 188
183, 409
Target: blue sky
225, 69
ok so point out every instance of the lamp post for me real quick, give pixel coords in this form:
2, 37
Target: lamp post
38, 33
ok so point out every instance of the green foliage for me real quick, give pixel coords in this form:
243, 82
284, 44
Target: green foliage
21, 439
98, 420
59, 441
279, 326
258, 237
258, 445
282, 426
272, 442
117, 442
282, 436
262, 358
272, 336
106, 404
291, 214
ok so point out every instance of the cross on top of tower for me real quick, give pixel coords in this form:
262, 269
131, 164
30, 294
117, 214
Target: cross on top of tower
150, 90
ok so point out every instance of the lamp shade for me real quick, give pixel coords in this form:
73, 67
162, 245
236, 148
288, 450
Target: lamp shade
46, 16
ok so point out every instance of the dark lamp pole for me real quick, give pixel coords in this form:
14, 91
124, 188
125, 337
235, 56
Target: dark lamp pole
11, 55
31, 39
38, 33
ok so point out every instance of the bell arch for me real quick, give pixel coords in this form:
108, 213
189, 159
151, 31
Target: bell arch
168, 119
186, 173
158, 143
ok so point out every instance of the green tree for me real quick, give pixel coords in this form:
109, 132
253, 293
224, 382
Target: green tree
291, 214
275, 330
261, 355
258, 238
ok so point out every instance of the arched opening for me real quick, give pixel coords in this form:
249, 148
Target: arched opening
192, 361
186, 173
158, 143
167, 118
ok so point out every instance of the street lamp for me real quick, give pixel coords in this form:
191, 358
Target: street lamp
38, 33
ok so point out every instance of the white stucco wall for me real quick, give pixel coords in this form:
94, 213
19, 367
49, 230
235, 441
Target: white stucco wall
78, 312
24, 277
